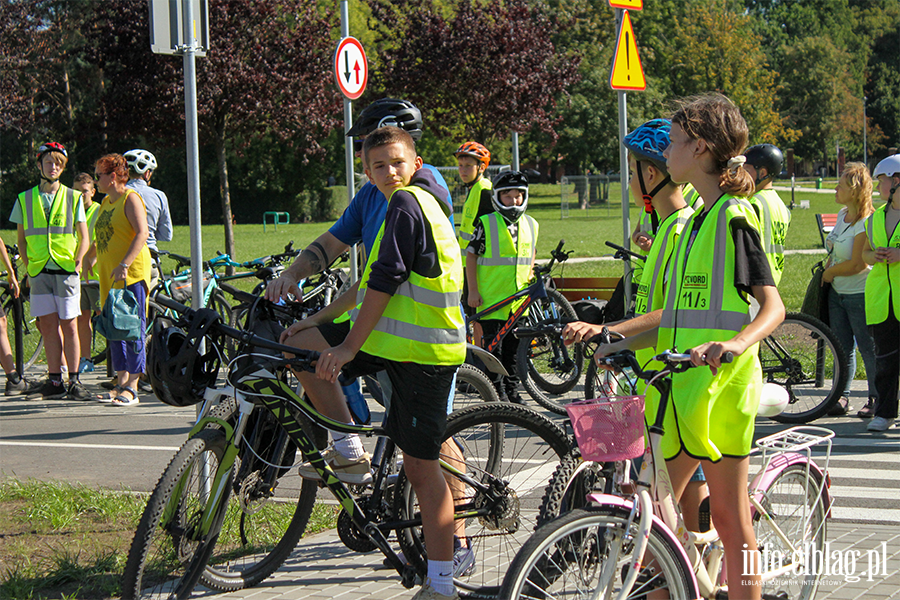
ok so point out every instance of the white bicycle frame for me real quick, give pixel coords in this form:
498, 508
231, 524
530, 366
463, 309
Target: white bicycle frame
654, 500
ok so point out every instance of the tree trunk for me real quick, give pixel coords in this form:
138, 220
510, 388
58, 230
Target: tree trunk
225, 194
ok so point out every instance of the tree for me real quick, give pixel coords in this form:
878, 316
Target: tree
266, 75
486, 67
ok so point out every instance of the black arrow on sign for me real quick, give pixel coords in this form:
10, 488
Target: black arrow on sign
347, 65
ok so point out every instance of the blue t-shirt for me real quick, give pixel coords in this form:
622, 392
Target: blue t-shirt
364, 216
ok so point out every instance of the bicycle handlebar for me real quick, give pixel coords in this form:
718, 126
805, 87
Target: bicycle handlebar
624, 253
303, 358
675, 362
556, 255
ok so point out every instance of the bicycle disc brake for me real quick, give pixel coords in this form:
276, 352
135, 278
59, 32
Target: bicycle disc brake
504, 509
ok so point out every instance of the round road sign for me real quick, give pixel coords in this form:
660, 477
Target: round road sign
350, 68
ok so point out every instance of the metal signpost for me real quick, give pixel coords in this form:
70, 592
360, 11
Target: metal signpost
626, 74
183, 28
351, 71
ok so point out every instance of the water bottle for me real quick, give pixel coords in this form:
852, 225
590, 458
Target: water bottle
356, 401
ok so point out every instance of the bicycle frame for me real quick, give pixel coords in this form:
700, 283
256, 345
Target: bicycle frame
533, 292
654, 500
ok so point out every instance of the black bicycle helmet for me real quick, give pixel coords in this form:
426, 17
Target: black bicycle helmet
510, 180
388, 111
178, 373
765, 156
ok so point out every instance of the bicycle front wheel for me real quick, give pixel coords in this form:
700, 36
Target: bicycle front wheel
268, 509
571, 483
169, 551
510, 449
585, 554
550, 370
472, 388
795, 504
804, 357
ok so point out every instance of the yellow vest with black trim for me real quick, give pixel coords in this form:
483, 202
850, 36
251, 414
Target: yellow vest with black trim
423, 320
505, 268
715, 413
54, 237
650, 294
883, 281
774, 220
470, 213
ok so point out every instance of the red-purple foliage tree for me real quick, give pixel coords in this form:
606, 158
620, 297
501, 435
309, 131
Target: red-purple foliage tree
267, 73
490, 66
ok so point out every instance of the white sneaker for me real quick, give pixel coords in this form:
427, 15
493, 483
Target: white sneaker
426, 592
880, 424
356, 471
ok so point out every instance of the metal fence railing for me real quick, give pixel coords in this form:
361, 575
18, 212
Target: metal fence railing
585, 192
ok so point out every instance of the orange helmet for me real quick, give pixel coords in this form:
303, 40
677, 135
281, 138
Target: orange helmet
476, 151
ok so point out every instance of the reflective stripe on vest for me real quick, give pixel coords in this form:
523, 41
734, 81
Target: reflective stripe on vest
650, 294
470, 213
773, 228
53, 237
423, 321
701, 302
692, 197
883, 277
90, 215
505, 267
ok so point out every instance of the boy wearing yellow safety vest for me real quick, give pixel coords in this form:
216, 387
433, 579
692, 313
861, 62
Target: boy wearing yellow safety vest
499, 262
473, 160
53, 239
764, 163
405, 320
90, 295
882, 251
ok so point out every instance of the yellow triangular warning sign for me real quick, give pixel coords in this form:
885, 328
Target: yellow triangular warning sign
627, 73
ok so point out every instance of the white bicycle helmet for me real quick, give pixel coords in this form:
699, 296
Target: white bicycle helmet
890, 166
140, 161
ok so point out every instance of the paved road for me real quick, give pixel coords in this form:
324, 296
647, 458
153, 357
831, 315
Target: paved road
98, 444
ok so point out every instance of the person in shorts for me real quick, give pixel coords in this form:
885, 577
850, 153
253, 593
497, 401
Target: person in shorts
419, 344
53, 239
90, 291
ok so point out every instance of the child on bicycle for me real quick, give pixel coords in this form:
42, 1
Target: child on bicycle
408, 323
500, 262
718, 263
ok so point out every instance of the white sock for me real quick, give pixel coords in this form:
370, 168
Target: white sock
349, 445
440, 572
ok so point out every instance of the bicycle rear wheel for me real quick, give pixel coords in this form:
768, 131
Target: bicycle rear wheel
551, 371
168, 553
803, 356
571, 483
32, 341
472, 388
795, 504
568, 558
512, 449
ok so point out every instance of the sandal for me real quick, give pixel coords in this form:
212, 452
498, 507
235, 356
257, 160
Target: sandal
121, 400
867, 411
840, 407
110, 396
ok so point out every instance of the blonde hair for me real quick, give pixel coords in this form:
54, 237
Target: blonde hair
716, 120
856, 174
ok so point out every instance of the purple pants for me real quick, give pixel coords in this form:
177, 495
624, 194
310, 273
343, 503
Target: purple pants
132, 356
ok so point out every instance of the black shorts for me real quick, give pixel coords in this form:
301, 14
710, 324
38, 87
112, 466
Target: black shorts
417, 417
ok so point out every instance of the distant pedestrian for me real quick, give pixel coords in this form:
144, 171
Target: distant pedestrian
53, 239
121, 254
90, 294
141, 166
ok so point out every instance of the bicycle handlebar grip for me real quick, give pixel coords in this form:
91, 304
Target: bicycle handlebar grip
560, 246
170, 303
727, 357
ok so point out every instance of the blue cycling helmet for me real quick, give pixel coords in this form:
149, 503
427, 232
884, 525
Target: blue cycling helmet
649, 141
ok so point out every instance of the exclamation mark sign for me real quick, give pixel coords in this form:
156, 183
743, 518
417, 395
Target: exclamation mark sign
627, 57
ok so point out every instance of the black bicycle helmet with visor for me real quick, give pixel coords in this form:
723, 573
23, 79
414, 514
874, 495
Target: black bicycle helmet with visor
179, 374
765, 156
510, 180
387, 112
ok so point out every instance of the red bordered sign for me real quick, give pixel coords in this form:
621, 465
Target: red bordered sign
351, 70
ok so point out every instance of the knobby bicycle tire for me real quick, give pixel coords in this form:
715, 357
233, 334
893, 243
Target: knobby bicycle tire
164, 560
512, 448
794, 503
572, 481
472, 388
551, 371
805, 357
261, 527
565, 559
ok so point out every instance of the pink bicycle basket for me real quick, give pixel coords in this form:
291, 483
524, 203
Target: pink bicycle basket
609, 429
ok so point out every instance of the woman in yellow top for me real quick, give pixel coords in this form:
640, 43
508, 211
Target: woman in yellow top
120, 251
